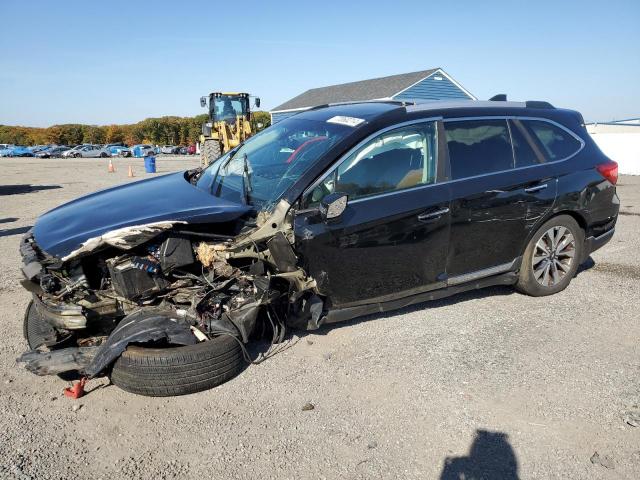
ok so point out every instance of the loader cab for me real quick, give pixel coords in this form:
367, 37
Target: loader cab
228, 106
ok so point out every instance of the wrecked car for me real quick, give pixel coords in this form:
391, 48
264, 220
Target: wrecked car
334, 213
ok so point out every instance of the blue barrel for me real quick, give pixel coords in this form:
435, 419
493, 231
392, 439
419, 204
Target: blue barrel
150, 164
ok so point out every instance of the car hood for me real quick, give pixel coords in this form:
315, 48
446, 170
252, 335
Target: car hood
168, 198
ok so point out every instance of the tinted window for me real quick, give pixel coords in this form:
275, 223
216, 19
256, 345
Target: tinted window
477, 147
395, 160
525, 155
556, 143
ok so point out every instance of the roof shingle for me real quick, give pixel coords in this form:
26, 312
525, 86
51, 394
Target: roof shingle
383, 87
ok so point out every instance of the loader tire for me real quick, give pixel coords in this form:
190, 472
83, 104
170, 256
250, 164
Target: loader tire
164, 372
210, 152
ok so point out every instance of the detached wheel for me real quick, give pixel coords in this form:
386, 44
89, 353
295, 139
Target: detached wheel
210, 151
552, 257
163, 372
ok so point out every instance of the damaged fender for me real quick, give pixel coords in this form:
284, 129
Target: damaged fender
140, 327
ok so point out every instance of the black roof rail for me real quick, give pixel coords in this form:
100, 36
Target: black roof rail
401, 103
537, 104
501, 97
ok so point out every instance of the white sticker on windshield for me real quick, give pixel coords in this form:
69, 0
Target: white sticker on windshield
348, 121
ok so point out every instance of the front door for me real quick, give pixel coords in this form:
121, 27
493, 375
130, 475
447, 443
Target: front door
392, 239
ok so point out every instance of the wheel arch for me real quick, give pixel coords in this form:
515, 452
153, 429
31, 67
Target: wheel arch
577, 216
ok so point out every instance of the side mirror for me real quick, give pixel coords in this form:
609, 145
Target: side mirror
333, 205
203, 102
257, 102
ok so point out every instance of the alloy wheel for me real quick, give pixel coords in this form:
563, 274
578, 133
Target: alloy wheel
553, 256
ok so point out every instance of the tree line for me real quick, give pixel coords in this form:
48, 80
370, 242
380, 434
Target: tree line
157, 131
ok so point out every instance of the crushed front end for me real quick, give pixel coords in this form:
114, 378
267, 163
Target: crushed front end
205, 284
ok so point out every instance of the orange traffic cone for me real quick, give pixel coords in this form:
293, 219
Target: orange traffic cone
111, 169
130, 175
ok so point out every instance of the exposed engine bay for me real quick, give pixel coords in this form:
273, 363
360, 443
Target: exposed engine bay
239, 282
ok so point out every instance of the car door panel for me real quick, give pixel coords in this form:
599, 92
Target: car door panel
492, 216
382, 247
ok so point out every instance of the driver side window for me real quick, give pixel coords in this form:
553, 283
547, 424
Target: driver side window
395, 160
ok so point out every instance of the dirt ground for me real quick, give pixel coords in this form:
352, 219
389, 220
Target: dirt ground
488, 384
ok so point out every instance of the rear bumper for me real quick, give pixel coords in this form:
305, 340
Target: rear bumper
591, 244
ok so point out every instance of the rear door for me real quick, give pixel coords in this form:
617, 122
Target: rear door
392, 239
499, 190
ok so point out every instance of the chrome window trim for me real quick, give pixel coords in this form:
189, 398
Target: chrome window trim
444, 120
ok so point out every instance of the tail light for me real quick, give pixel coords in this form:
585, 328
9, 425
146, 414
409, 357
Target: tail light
609, 171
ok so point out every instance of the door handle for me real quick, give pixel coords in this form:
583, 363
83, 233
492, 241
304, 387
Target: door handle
433, 215
537, 188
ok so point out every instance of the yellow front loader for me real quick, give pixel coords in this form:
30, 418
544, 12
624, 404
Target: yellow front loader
229, 124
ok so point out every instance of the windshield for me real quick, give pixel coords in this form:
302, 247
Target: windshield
228, 107
262, 169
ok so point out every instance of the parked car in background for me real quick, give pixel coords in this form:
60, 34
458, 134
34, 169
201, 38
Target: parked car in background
191, 149
72, 151
5, 149
119, 150
53, 152
143, 150
117, 144
38, 148
169, 149
182, 151
91, 151
20, 151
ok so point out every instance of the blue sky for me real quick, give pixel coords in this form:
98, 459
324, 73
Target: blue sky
122, 61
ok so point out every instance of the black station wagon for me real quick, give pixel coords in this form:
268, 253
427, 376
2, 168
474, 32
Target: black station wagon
336, 212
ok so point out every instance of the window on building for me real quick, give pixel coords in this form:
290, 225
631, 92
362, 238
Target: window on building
477, 147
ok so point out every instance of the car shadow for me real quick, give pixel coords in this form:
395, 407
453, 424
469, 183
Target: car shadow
24, 188
588, 264
500, 290
14, 231
428, 304
490, 456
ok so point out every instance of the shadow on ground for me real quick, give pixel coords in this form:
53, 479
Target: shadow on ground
14, 231
499, 290
491, 456
24, 188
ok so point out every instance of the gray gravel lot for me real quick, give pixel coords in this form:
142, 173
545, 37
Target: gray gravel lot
489, 382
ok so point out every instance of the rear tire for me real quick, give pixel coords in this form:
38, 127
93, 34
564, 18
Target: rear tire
552, 257
162, 372
210, 151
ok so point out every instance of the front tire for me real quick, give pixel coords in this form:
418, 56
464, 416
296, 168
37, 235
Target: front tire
210, 152
552, 257
162, 372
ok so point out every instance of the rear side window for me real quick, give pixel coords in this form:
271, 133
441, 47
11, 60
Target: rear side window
477, 147
525, 154
555, 142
